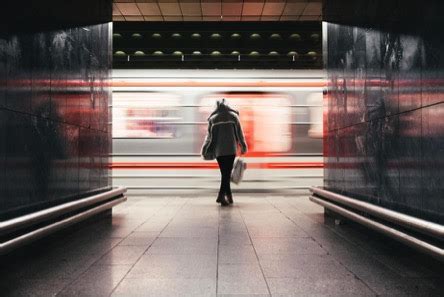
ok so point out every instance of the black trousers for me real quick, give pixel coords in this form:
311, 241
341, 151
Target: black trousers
225, 166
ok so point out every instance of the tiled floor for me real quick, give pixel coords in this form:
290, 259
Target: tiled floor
189, 246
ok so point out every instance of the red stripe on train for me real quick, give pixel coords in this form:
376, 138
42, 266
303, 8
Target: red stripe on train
212, 165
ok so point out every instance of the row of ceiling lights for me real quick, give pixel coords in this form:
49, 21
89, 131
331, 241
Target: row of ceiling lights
216, 36
215, 53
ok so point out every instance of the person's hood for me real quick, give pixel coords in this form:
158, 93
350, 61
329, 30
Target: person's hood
222, 106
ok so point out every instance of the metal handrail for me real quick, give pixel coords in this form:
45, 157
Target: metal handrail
43, 231
413, 223
52, 212
414, 242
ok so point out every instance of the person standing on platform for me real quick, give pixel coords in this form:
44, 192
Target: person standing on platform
224, 137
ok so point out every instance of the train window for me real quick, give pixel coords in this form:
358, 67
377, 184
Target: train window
265, 119
145, 114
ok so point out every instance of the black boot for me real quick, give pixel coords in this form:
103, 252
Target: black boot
220, 198
230, 198
224, 202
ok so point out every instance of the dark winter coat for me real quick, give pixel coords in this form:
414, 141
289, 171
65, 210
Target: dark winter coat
224, 134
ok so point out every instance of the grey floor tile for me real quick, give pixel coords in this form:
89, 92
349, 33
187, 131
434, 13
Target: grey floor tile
31, 287
241, 279
123, 255
243, 295
385, 281
234, 253
47, 268
314, 286
287, 245
277, 231
153, 226
99, 280
166, 288
190, 231
184, 245
140, 238
174, 266
293, 266
98, 246
234, 238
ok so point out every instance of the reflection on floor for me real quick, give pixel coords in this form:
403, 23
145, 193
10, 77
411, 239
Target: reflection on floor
189, 246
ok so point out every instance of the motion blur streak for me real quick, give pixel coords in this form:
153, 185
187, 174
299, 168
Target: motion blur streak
160, 120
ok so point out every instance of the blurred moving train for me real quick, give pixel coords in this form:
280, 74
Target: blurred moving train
159, 121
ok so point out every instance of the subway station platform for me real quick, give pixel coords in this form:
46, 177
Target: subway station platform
189, 246
107, 109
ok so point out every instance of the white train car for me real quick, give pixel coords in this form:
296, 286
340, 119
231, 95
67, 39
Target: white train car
160, 119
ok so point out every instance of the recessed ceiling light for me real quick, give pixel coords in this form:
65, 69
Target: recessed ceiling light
295, 36
216, 36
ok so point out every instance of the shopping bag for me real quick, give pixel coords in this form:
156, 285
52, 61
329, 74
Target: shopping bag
238, 170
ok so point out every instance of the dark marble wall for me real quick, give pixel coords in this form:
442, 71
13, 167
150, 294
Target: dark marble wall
54, 137
384, 111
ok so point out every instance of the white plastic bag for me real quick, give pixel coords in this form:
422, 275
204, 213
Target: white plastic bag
238, 171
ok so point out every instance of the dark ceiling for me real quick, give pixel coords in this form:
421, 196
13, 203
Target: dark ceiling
217, 10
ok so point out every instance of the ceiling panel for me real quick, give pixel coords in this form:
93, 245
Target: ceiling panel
153, 18
234, 9
170, 8
192, 18
289, 18
252, 8
270, 18
191, 8
173, 18
313, 8
294, 8
149, 8
211, 8
129, 9
273, 8
116, 10
211, 18
217, 10
251, 18
309, 18
133, 18
232, 18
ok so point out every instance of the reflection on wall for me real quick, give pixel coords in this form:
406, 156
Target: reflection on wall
384, 112
54, 139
